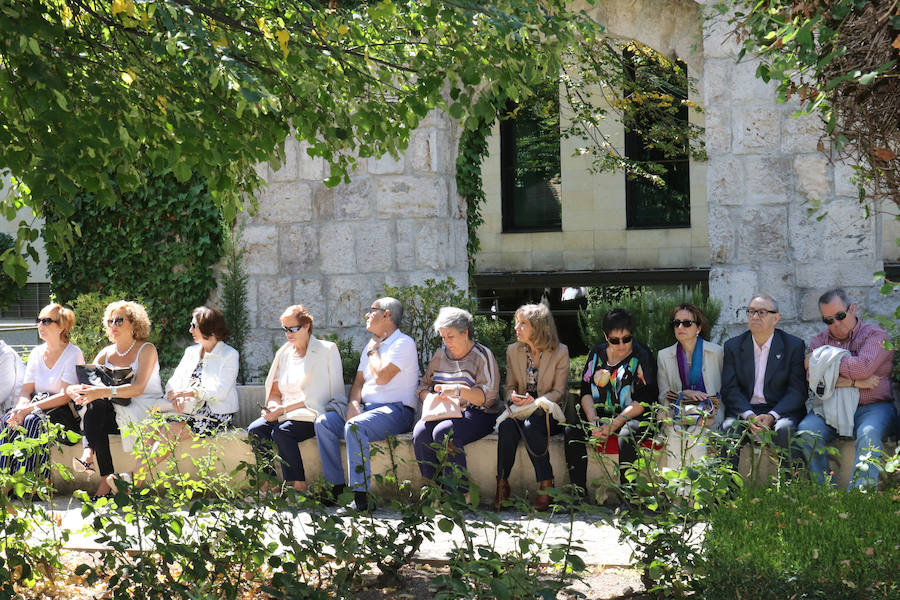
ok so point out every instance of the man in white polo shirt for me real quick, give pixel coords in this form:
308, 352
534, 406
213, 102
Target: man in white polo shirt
12, 374
382, 401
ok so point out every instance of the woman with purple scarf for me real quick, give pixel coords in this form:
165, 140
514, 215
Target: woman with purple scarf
690, 375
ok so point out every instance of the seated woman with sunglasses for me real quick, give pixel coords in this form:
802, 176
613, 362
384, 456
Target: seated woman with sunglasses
202, 390
127, 327
305, 380
618, 383
50, 370
690, 376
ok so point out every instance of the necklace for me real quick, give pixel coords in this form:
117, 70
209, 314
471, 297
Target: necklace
121, 354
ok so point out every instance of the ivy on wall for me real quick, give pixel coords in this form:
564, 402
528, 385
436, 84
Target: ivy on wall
159, 242
472, 151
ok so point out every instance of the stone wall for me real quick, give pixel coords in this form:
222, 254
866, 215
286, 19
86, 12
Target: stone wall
763, 175
397, 222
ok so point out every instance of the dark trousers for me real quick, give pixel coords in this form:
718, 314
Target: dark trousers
783, 437
472, 426
576, 442
533, 430
99, 422
286, 435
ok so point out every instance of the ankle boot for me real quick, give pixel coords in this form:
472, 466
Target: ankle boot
502, 493
542, 501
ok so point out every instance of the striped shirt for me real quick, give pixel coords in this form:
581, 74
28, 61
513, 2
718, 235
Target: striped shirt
478, 368
867, 357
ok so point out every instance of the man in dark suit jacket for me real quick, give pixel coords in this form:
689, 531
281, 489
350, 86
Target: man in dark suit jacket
763, 378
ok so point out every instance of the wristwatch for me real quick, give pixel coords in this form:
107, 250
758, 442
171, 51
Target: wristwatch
113, 392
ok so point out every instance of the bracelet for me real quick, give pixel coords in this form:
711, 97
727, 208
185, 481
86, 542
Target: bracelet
852, 383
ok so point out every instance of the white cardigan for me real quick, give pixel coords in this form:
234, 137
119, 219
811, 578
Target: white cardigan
218, 381
324, 379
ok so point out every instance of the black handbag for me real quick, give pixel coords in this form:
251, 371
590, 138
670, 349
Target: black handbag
101, 376
65, 415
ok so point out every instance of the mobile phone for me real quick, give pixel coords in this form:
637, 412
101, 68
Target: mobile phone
263, 407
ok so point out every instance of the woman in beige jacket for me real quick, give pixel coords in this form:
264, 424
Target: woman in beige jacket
537, 370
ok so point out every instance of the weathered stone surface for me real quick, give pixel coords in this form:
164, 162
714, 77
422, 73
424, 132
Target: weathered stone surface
735, 288
763, 235
336, 247
721, 236
252, 303
274, 294
259, 350
800, 134
261, 243
433, 246
386, 165
718, 42
430, 151
812, 176
747, 86
718, 130
354, 200
288, 170
374, 247
407, 231
842, 233
285, 203
769, 179
756, 129
725, 180
717, 85
411, 197
777, 280
308, 167
299, 247
308, 292
349, 297
324, 203
825, 275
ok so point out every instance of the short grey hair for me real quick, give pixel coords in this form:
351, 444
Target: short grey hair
457, 318
835, 293
393, 305
767, 298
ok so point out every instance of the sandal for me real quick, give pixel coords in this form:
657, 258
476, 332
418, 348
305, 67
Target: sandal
81, 466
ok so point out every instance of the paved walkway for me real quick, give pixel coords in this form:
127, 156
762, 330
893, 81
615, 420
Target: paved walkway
596, 533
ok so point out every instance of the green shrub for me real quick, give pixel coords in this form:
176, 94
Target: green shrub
349, 355
650, 309
234, 295
9, 291
158, 243
802, 541
89, 334
496, 334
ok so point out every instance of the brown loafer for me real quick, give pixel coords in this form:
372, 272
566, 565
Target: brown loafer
502, 493
542, 501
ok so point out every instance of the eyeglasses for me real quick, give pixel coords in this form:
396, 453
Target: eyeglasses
840, 317
45, 321
193, 326
374, 309
293, 329
115, 322
760, 312
685, 323
625, 339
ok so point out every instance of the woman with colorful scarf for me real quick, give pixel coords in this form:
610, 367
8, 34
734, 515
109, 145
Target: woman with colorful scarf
690, 375
617, 386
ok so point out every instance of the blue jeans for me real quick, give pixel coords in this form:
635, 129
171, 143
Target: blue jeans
870, 424
376, 422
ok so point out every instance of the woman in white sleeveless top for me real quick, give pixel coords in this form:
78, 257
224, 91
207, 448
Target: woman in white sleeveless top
127, 327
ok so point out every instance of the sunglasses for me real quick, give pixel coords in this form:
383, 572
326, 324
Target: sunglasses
685, 323
117, 322
293, 329
840, 317
193, 326
45, 320
625, 339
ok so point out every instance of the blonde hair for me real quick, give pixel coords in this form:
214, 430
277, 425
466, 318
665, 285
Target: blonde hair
136, 315
65, 316
541, 321
299, 312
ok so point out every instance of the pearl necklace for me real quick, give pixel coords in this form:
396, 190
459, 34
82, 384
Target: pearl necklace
121, 354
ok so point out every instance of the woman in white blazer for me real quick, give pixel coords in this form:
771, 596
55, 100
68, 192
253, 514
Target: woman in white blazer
305, 380
689, 391
202, 390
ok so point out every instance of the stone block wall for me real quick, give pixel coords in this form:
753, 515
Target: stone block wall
398, 222
763, 177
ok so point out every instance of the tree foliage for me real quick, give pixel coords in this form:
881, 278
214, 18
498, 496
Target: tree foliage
840, 59
94, 93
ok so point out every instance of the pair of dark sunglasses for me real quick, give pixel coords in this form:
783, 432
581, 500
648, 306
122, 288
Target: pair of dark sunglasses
840, 317
293, 329
117, 322
45, 321
625, 339
685, 323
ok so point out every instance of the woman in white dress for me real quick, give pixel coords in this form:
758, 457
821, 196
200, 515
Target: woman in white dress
50, 369
113, 408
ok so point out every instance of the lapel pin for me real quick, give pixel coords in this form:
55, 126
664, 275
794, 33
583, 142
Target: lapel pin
778, 357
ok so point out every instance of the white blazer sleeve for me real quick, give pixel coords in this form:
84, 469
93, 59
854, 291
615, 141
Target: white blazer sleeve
218, 382
336, 374
181, 376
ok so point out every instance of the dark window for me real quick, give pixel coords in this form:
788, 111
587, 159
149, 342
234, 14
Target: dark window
666, 201
530, 163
